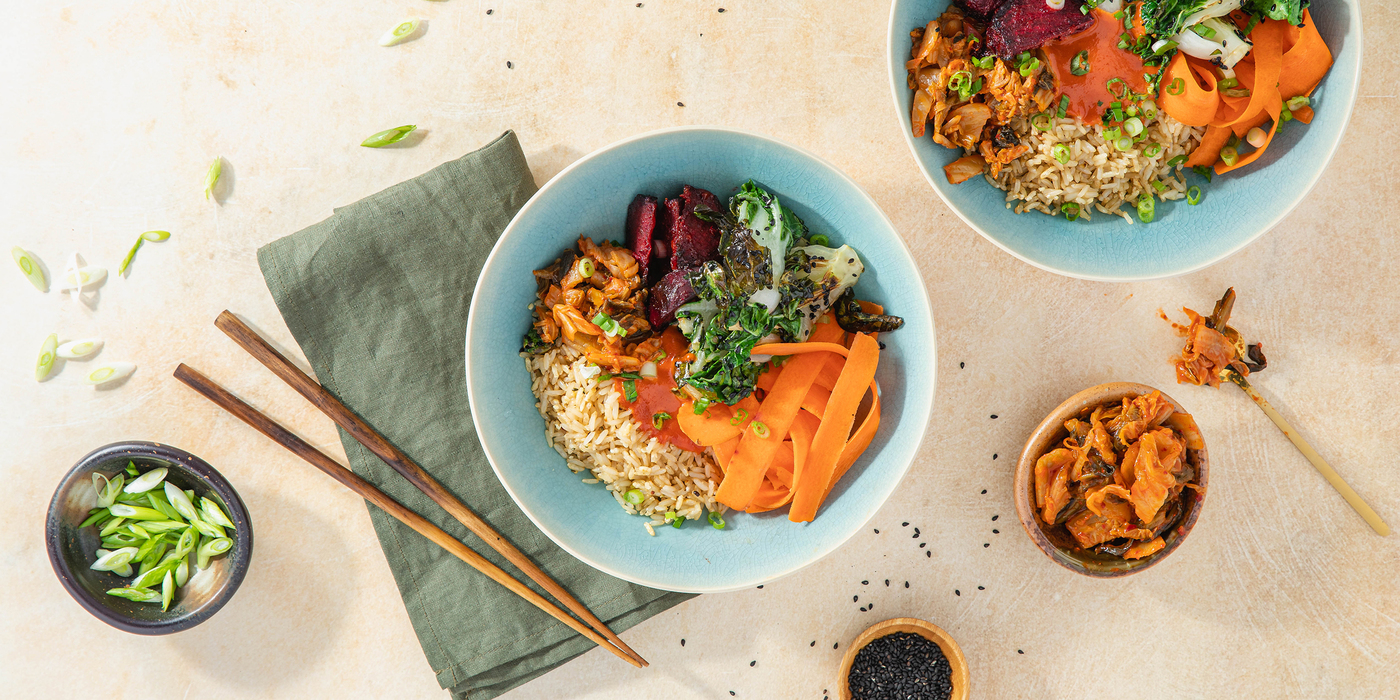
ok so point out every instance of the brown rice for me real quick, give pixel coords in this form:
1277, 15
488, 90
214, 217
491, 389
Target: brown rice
588, 427
1097, 173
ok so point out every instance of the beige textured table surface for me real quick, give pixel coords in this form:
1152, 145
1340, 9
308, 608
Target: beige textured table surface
112, 111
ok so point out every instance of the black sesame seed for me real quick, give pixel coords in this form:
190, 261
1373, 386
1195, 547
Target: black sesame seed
994, 456
855, 599
957, 592
994, 518
984, 490
865, 583
682, 642
887, 583
731, 692
981, 588
871, 606
928, 554
996, 531
833, 646
760, 588
901, 665
994, 416
905, 525
962, 365
814, 643
1018, 651
862, 609
986, 544
682, 104
922, 545
489, 11
906, 584
639, 4
509, 64
753, 663
721, 9
877, 532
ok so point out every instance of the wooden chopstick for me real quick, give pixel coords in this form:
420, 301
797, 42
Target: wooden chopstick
227, 401
261, 350
1352, 498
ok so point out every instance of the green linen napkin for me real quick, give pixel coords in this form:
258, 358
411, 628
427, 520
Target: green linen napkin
377, 297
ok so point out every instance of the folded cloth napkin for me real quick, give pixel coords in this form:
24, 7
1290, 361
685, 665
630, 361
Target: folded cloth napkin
377, 297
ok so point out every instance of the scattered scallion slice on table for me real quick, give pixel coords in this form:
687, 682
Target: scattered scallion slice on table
109, 372
77, 349
30, 267
81, 277
153, 236
388, 136
401, 31
46, 355
211, 178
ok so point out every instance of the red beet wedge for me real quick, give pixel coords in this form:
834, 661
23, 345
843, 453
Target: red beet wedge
981, 8
1022, 25
641, 226
671, 293
693, 240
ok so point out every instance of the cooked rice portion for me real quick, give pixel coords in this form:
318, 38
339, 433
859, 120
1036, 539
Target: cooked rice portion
588, 427
1097, 173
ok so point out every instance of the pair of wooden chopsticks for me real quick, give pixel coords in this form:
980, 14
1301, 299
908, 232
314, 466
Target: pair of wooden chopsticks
382, 448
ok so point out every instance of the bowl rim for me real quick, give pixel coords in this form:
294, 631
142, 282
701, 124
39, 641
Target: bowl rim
957, 662
897, 84
1022, 481
926, 414
238, 512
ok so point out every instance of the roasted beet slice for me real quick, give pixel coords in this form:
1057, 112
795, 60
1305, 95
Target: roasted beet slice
641, 227
1022, 25
981, 8
671, 293
666, 217
694, 240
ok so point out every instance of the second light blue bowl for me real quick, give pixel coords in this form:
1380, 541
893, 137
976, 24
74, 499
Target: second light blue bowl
590, 198
1236, 210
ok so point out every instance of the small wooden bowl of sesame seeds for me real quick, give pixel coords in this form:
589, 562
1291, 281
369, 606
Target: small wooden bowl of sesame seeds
898, 661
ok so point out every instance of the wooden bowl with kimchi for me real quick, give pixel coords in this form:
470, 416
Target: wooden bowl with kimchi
1113, 480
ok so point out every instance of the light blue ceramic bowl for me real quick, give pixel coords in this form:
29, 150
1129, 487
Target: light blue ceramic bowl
590, 197
1237, 209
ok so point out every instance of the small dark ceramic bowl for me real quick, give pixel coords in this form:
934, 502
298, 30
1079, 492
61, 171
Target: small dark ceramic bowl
1056, 544
72, 551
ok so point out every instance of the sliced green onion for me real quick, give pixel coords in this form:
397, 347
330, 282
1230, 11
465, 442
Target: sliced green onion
1146, 208
147, 481
179, 501
1117, 114
153, 236
716, 520
1229, 155
1285, 116
30, 267
585, 268
985, 62
820, 239
1256, 137
1176, 86
77, 349
167, 590
158, 526
46, 355
1193, 195
145, 548
739, 417
131, 469
76, 278
1176, 160
1029, 66
1133, 126
96, 516
109, 372
1079, 65
1162, 46
1041, 121
1227, 83
388, 136
157, 501
1157, 185
214, 514
111, 560
139, 595
629, 387
401, 31
123, 510
1203, 171
206, 528
1130, 110
1298, 102
1061, 152
634, 496
659, 419
678, 523
760, 429
112, 526
976, 86
609, 325
1122, 44
1153, 150
1124, 143
1071, 211
1234, 92
700, 405
212, 548
1203, 31
1064, 106
211, 178
111, 489
1111, 135
182, 572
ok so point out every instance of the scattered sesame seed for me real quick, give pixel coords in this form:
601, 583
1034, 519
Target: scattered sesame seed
906, 584
760, 588
994, 416
489, 11
855, 599
865, 583
986, 544
1018, 651
994, 455
509, 64
877, 531
996, 531
994, 518
639, 4
731, 692
962, 365
887, 583
814, 643
862, 609
981, 588
682, 642
928, 554
833, 646
753, 663
922, 545
984, 490
957, 592
905, 525
680, 104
